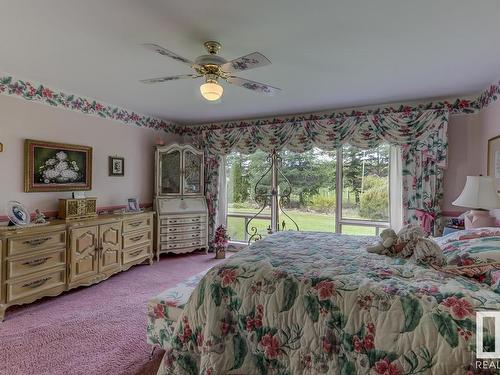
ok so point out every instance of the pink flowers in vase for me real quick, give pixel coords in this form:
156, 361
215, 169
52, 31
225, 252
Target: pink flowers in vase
220, 242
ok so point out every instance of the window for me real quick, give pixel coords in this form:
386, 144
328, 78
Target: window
364, 198
361, 207
242, 173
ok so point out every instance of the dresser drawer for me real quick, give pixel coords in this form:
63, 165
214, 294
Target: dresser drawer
181, 236
36, 263
136, 238
183, 220
23, 244
135, 254
182, 228
30, 287
138, 223
181, 244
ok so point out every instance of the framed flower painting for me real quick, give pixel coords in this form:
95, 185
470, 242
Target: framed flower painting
50, 166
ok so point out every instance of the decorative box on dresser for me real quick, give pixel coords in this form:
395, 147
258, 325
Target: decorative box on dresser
181, 209
46, 260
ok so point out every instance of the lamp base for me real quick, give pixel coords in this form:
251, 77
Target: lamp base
478, 219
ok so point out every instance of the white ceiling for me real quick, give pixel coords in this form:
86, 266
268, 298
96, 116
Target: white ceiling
325, 54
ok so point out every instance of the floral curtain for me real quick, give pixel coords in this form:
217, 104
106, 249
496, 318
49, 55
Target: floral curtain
421, 134
423, 171
212, 165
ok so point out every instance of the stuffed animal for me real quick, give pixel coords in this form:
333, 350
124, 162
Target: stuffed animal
407, 239
410, 242
383, 247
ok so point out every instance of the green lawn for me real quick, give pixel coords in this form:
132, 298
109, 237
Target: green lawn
307, 221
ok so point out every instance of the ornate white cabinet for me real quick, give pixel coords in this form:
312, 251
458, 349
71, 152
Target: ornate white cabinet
182, 215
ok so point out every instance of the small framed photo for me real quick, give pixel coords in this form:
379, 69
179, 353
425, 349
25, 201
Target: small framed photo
78, 194
133, 205
116, 166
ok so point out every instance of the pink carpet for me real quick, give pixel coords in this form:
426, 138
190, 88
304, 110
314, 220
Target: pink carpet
95, 330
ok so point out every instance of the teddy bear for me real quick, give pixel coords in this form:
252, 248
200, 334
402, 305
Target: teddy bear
409, 242
383, 247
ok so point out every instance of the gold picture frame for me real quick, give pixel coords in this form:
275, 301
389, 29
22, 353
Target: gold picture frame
51, 166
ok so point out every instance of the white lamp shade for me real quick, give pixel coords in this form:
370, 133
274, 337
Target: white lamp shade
479, 193
211, 91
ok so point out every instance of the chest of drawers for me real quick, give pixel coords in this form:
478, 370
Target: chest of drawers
137, 240
32, 264
181, 225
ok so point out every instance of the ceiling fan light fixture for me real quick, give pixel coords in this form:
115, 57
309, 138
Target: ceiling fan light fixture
211, 90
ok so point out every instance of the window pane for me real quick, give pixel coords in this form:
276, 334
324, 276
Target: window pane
358, 230
365, 183
243, 172
312, 201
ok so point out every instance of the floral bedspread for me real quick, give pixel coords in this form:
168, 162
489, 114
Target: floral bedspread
165, 309
318, 303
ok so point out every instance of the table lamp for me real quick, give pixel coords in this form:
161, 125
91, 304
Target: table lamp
479, 194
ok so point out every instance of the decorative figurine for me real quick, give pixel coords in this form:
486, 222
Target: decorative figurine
39, 217
220, 242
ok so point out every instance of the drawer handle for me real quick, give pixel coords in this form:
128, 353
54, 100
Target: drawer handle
198, 227
37, 241
172, 237
197, 219
136, 238
136, 224
172, 221
196, 235
172, 229
37, 283
136, 253
36, 262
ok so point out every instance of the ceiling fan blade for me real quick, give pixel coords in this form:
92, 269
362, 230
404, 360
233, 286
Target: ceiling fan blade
170, 78
250, 61
165, 52
255, 86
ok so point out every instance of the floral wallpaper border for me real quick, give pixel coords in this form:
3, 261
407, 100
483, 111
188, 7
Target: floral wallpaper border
488, 96
55, 98
467, 105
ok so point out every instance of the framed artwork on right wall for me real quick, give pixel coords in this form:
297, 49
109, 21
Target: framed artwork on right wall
494, 158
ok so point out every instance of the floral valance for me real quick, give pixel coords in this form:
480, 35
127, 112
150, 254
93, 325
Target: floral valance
362, 131
422, 136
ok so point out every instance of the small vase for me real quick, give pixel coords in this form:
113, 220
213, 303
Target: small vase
220, 253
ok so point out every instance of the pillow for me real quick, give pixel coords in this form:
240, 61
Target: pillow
468, 234
473, 253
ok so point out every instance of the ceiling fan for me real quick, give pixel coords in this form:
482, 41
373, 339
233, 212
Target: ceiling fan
214, 68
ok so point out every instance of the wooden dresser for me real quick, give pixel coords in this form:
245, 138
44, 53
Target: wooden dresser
182, 225
47, 260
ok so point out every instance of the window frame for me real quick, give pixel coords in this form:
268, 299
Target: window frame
339, 220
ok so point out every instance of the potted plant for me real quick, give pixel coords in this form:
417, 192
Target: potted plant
220, 242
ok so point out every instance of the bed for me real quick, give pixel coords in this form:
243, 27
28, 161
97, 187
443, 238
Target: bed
311, 303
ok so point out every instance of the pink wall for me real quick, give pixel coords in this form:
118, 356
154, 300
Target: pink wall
20, 119
468, 143
490, 127
464, 139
